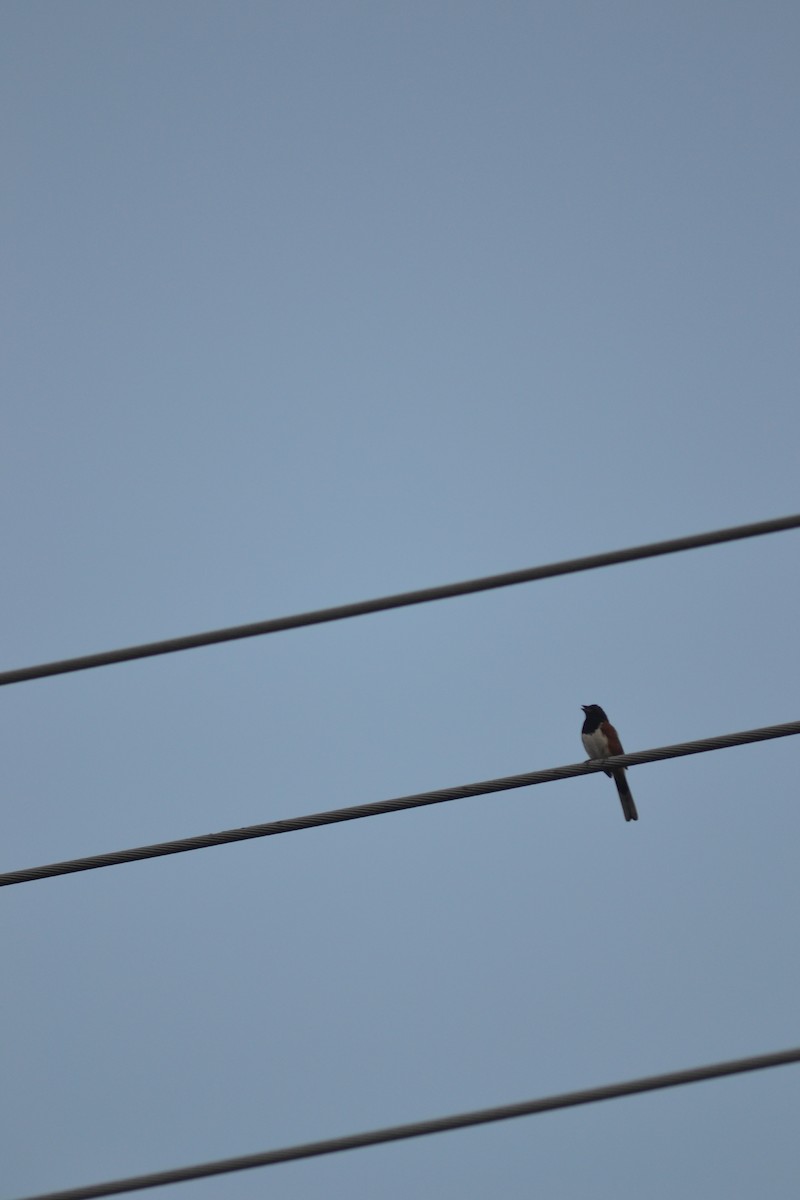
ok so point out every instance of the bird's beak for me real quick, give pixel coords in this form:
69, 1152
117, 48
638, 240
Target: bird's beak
584, 707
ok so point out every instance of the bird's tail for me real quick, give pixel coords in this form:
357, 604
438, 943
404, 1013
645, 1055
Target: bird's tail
626, 799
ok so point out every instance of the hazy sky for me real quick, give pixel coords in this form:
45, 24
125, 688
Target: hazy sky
306, 302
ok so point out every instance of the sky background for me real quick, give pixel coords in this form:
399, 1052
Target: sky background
308, 302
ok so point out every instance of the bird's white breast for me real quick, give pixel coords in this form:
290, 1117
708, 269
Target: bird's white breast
595, 744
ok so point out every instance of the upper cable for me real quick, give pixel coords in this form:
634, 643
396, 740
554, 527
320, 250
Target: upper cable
360, 608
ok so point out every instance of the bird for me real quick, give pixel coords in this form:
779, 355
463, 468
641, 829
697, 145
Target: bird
601, 740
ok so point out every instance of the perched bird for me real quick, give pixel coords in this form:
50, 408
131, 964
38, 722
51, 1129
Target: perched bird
601, 740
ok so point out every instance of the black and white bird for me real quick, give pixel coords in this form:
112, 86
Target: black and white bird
601, 740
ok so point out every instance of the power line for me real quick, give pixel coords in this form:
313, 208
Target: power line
400, 600
397, 1133
398, 804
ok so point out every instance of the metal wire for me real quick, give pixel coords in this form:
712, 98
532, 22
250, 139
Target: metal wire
375, 808
401, 600
396, 1133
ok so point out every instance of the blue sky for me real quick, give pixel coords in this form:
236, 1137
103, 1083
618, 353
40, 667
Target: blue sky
310, 302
